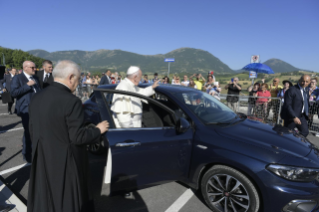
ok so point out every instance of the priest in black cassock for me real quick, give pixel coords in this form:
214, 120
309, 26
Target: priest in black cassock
59, 173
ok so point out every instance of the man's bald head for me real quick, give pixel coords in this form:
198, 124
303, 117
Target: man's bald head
29, 67
275, 81
304, 80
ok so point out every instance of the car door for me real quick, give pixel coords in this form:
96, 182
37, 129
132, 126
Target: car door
143, 157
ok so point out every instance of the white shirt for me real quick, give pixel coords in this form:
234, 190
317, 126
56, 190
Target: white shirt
44, 74
129, 104
302, 90
28, 77
185, 83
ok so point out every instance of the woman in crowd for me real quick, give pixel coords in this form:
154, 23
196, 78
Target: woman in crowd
209, 85
252, 97
176, 81
215, 91
89, 83
281, 93
262, 102
165, 80
192, 84
313, 107
97, 79
145, 80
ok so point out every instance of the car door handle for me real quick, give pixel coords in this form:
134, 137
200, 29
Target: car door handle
128, 144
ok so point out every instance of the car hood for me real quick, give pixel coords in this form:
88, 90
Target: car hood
277, 138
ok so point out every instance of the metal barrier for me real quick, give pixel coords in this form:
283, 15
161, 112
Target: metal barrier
269, 112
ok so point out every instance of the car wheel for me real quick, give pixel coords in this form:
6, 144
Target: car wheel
226, 189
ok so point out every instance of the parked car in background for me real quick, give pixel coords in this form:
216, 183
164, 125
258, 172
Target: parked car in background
188, 136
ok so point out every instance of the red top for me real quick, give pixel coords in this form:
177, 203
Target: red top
262, 94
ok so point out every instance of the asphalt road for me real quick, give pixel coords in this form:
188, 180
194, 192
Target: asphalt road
156, 199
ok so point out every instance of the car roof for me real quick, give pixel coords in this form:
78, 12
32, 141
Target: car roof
163, 88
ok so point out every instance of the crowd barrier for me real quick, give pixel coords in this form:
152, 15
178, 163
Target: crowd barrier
269, 112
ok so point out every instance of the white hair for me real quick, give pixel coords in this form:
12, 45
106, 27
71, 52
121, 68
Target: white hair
131, 76
64, 68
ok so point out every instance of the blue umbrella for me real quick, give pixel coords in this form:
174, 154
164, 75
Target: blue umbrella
259, 68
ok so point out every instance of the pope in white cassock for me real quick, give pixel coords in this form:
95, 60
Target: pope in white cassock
127, 110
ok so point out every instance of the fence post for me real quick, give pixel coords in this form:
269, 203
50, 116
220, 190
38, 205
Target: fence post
279, 111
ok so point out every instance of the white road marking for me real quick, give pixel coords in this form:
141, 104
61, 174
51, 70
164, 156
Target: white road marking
4, 114
11, 198
10, 130
14, 168
181, 201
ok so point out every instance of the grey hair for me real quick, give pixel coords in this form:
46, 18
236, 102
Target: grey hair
64, 68
236, 78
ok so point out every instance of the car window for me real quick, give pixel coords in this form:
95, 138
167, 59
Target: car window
207, 108
133, 112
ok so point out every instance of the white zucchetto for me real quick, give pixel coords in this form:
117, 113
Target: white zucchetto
132, 70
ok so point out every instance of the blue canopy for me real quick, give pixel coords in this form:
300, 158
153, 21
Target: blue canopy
259, 68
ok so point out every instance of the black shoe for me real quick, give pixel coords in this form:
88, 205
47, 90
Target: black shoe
6, 208
10, 113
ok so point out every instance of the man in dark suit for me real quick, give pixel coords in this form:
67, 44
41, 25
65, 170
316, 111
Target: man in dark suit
23, 87
106, 79
7, 79
59, 172
45, 76
296, 106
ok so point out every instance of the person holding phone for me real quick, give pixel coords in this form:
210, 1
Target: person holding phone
233, 94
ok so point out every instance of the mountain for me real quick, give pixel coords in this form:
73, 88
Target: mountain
279, 66
187, 60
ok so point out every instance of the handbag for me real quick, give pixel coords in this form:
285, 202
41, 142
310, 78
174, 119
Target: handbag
6, 97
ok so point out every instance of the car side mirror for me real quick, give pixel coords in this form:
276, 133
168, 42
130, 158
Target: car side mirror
182, 125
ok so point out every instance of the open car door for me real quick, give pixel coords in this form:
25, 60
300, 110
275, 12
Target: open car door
156, 153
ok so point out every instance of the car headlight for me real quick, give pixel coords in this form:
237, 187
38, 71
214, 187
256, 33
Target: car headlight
294, 173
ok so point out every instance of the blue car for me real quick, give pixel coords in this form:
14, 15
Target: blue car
237, 163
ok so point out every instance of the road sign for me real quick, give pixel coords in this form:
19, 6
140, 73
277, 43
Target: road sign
252, 74
169, 60
254, 59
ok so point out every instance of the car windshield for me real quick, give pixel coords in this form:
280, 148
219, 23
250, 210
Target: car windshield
207, 108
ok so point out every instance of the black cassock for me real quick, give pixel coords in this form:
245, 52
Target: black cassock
59, 174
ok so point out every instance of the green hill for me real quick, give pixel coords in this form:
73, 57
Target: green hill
187, 60
279, 66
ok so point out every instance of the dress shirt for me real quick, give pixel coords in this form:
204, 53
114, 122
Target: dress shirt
29, 78
302, 90
44, 75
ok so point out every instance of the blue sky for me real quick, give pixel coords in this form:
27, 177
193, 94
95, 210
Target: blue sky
230, 30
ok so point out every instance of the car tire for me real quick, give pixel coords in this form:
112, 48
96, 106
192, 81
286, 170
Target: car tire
225, 188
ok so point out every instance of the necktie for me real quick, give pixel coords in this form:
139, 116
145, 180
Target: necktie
305, 102
35, 86
46, 78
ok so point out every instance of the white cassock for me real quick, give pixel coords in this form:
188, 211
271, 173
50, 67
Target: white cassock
127, 110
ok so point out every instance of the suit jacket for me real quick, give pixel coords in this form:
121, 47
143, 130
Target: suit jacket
105, 80
22, 92
294, 102
59, 174
40, 76
6, 79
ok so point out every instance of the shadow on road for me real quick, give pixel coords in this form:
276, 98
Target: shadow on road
17, 181
1, 164
121, 202
5, 128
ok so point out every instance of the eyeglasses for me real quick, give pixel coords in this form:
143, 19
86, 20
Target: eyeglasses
32, 67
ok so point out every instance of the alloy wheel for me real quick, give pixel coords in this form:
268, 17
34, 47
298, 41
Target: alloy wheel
227, 193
